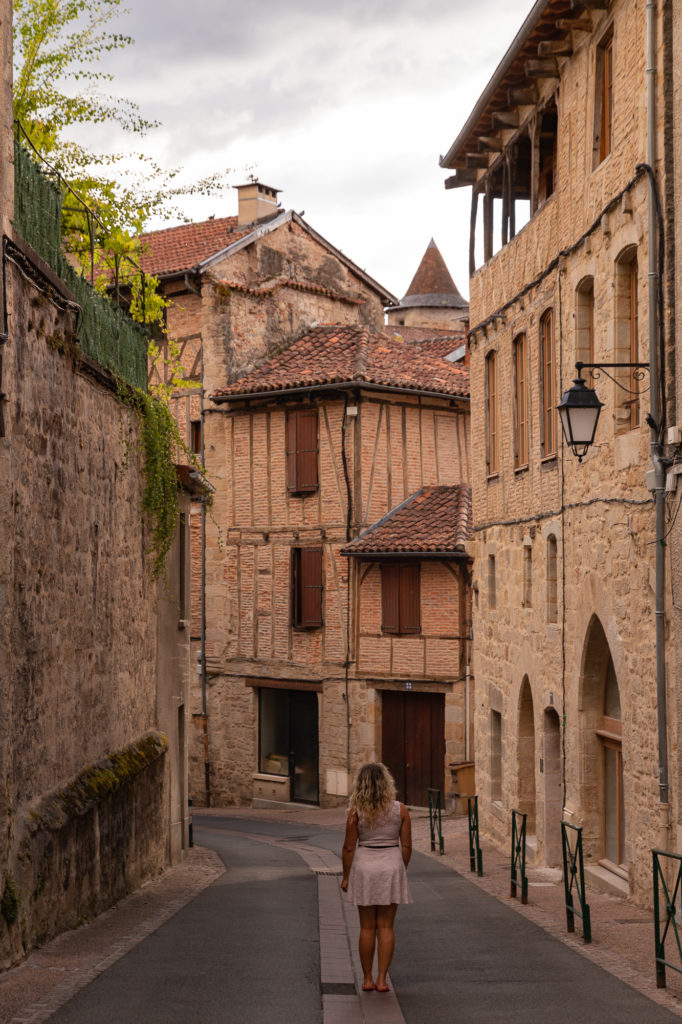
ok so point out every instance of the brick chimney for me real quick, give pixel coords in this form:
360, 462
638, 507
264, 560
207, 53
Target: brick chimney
256, 202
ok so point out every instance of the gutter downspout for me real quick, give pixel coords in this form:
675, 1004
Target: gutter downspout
204, 704
656, 405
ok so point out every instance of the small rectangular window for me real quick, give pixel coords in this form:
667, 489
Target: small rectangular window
302, 451
491, 413
552, 580
495, 755
306, 588
603, 100
400, 598
492, 582
548, 384
195, 436
521, 401
527, 576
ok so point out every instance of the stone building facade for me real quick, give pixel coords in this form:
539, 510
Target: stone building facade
92, 754
307, 677
564, 553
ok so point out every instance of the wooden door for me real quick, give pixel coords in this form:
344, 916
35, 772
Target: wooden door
413, 743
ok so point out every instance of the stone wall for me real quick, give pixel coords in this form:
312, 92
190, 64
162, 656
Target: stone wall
564, 552
77, 630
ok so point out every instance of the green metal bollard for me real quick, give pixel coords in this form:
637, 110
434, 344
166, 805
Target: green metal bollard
191, 830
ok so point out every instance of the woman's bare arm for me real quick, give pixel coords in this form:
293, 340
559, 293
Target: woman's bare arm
349, 843
405, 834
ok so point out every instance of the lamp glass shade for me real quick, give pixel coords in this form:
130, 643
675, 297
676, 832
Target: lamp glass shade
579, 411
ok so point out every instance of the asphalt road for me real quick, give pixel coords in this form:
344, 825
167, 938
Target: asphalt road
246, 951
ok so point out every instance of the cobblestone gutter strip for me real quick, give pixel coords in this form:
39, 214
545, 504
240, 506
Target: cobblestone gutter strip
622, 933
32, 992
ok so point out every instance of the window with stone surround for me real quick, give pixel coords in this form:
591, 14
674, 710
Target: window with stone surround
584, 324
527, 576
302, 450
492, 582
548, 384
626, 331
552, 579
603, 99
520, 357
400, 598
491, 431
495, 756
306, 588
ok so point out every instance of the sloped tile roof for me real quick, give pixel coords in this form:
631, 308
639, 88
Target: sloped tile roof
336, 354
172, 250
435, 519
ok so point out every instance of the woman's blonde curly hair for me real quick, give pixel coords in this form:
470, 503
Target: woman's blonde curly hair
373, 792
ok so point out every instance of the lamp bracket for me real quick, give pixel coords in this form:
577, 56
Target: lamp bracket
639, 369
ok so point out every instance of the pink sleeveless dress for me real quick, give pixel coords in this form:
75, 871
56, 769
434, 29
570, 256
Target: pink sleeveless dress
377, 874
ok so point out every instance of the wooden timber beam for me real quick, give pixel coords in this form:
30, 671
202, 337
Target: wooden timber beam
489, 144
574, 24
522, 96
536, 68
460, 178
555, 48
505, 119
589, 5
476, 160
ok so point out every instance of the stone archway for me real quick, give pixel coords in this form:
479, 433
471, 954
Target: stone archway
602, 789
526, 756
552, 787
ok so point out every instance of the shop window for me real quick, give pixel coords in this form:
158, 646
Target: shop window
548, 384
491, 414
400, 598
306, 588
495, 756
603, 99
552, 579
302, 451
520, 354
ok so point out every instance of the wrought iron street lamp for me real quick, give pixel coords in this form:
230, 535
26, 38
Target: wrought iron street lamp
580, 407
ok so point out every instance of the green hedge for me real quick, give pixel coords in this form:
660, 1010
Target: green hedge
105, 332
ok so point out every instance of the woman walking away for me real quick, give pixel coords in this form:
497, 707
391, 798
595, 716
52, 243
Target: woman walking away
374, 874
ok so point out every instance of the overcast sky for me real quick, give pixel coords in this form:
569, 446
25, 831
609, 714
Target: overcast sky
343, 106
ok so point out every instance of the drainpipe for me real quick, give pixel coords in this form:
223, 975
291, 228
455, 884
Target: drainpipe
204, 706
656, 418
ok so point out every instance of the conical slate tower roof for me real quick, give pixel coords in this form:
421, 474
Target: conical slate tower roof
432, 284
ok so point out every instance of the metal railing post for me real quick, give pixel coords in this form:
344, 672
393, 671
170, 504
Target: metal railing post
662, 894
435, 824
518, 856
574, 880
191, 826
475, 855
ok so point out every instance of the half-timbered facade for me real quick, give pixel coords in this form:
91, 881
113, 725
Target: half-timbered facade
339, 628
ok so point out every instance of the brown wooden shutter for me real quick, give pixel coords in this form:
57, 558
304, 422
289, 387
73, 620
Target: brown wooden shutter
307, 450
410, 603
390, 605
291, 449
310, 585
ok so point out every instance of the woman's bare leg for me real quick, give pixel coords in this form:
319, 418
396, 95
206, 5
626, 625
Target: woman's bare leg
368, 933
385, 916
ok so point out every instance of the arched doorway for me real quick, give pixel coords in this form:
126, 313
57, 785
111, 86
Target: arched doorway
603, 788
552, 787
526, 756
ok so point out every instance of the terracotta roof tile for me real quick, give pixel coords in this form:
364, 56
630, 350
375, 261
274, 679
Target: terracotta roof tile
435, 519
335, 354
172, 250
274, 283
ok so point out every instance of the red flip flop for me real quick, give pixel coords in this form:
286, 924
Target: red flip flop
369, 988
383, 988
